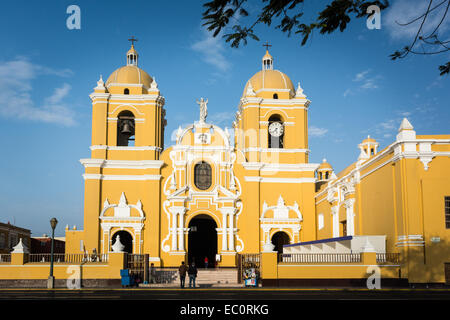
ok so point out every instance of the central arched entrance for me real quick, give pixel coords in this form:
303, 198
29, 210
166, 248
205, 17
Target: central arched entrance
202, 241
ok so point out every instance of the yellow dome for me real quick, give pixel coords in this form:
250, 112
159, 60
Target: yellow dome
369, 139
130, 75
270, 79
324, 166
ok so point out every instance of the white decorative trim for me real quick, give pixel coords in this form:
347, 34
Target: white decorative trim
275, 150
142, 148
279, 180
122, 164
398, 154
412, 240
286, 167
144, 177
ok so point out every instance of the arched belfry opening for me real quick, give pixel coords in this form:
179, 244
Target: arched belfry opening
279, 239
125, 129
276, 132
125, 238
202, 240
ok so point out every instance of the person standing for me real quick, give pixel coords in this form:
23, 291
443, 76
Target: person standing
192, 272
206, 262
152, 273
182, 271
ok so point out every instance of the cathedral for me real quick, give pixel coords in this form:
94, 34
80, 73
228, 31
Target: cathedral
216, 194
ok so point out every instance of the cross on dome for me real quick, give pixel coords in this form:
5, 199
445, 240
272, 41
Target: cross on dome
267, 45
267, 60
132, 40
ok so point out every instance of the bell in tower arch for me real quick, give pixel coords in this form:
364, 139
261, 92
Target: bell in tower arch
125, 128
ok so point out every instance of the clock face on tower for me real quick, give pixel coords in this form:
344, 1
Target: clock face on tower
276, 129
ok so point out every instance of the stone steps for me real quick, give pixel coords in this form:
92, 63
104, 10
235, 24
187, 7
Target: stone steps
205, 278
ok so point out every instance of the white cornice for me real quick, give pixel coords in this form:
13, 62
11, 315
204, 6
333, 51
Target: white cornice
286, 167
122, 164
144, 177
142, 148
280, 180
276, 150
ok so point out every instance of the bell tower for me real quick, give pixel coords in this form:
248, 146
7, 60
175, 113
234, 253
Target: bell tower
271, 138
272, 119
128, 120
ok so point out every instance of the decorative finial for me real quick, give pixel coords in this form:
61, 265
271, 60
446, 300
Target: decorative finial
203, 109
154, 84
250, 91
299, 91
118, 246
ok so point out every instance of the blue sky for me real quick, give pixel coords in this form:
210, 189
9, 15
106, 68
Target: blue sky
48, 71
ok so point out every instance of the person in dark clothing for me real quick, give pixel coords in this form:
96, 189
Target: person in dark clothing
182, 271
192, 272
152, 273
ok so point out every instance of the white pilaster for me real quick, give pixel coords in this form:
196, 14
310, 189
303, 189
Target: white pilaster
335, 217
224, 232
231, 231
349, 204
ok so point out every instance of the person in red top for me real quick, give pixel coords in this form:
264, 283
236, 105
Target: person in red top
206, 262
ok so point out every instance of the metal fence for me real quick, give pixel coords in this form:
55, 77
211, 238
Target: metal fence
319, 258
248, 261
68, 257
5, 258
136, 265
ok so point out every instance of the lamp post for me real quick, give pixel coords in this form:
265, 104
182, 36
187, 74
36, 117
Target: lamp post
51, 278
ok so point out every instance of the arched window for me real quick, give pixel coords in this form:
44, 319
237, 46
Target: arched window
202, 175
125, 128
126, 91
279, 239
275, 96
276, 132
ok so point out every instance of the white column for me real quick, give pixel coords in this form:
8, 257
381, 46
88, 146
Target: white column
181, 230
335, 217
174, 231
231, 231
224, 231
350, 217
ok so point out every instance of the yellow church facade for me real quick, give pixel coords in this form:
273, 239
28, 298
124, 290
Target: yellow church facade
217, 193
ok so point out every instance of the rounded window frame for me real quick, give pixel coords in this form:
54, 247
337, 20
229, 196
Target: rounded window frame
196, 183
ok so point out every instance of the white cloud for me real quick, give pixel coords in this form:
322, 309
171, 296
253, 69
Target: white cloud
366, 80
222, 118
360, 76
212, 51
59, 94
314, 131
15, 93
404, 11
347, 92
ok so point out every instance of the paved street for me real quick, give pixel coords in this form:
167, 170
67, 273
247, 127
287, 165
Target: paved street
223, 303
228, 294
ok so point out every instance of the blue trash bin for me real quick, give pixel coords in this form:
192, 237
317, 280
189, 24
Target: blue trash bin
127, 280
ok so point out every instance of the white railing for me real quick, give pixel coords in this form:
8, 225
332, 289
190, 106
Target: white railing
68, 257
5, 258
319, 258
